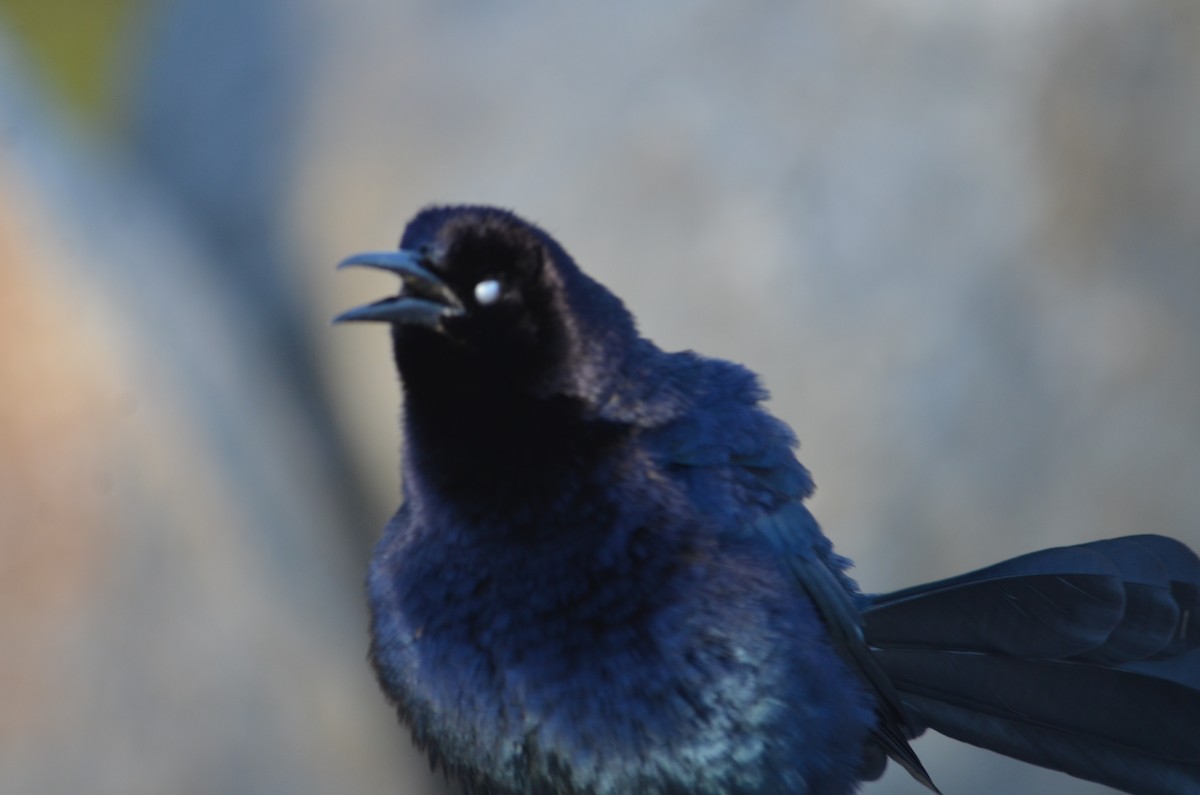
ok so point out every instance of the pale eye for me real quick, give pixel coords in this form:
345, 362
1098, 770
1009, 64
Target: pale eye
487, 292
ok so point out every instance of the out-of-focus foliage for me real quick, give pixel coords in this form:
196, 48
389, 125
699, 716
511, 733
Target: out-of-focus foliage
77, 44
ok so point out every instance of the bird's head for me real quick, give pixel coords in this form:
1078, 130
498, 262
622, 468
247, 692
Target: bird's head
490, 302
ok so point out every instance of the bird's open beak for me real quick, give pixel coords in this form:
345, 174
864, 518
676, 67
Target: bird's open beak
424, 298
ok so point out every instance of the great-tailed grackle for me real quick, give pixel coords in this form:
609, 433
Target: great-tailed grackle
603, 578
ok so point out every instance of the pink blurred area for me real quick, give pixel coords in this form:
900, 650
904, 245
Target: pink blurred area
959, 242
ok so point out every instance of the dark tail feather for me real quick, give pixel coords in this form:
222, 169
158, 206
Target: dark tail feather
1138, 733
1082, 659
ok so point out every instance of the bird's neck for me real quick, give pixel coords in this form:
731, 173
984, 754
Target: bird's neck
476, 444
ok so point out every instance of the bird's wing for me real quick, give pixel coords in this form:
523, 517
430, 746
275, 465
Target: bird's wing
793, 531
737, 461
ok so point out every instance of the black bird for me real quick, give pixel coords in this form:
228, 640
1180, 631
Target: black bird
603, 579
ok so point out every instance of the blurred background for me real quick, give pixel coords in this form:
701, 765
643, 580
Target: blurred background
960, 241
